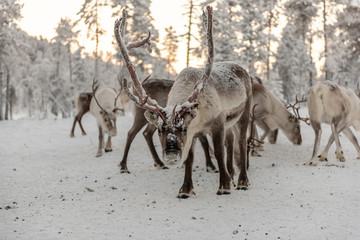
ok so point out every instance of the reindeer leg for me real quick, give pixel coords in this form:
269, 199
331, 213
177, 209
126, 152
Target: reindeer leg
349, 134
73, 126
323, 156
210, 167
317, 129
229, 143
138, 124
80, 124
339, 152
187, 188
218, 136
148, 135
272, 136
101, 142
243, 181
260, 147
108, 147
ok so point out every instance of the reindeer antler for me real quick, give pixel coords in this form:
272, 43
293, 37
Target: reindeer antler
93, 88
296, 109
142, 99
252, 141
191, 102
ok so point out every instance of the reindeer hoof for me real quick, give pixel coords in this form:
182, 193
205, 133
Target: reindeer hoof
342, 159
243, 184
72, 135
211, 170
124, 171
223, 192
108, 150
99, 155
313, 162
244, 188
185, 195
160, 167
254, 153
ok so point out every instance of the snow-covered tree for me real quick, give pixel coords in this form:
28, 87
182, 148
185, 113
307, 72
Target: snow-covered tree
344, 55
293, 61
252, 35
89, 13
10, 11
65, 38
224, 32
170, 46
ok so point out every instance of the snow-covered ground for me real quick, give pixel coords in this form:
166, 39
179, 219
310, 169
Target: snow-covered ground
45, 174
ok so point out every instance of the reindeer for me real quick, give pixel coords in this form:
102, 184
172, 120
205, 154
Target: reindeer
105, 106
157, 89
201, 101
270, 114
82, 104
335, 105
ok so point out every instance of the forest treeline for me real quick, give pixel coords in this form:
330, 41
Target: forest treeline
290, 44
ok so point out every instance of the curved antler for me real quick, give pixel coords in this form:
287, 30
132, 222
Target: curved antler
191, 102
296, 109
93, 88
142, 99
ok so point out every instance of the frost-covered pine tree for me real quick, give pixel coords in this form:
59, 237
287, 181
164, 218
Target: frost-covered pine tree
89, 13
293, 61
170, 43
10, 11
252, 36
65, 37
344, 55
224, 32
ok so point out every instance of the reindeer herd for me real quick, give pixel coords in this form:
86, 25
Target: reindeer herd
220, 101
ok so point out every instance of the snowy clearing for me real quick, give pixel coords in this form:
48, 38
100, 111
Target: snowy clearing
45, 178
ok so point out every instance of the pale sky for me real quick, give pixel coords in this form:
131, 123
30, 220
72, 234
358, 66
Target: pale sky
41, 17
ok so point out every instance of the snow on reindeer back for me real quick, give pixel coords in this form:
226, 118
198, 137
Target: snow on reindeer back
225, 78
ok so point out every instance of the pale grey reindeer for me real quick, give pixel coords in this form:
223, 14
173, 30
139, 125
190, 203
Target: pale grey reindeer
335, 105
105, 106
201, 101
271, 114
82, 105
157, 89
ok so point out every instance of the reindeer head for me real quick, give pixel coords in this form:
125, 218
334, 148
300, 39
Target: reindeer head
172, 132
171, 122
108, 116
294, 123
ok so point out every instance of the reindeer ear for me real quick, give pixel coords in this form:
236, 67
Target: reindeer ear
190, 115
152, 118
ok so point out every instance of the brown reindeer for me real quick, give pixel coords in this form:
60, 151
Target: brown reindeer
201, 101
157, 89
82, 104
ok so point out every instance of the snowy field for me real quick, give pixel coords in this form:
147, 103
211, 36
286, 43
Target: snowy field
45, 176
